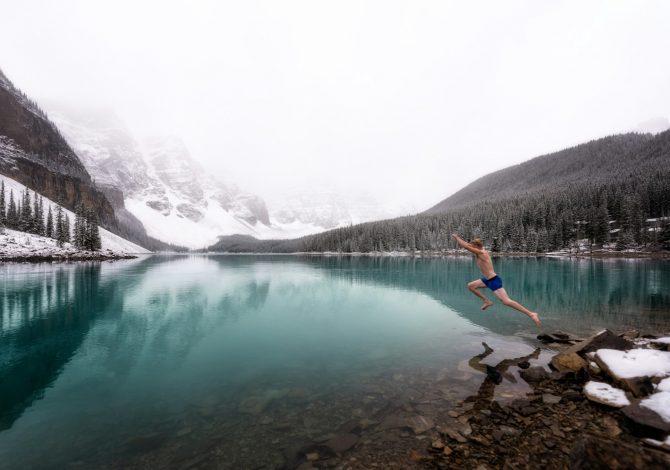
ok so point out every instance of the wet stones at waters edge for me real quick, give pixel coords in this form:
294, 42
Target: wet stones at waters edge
592, 452
571, 360
534, 374
413, 421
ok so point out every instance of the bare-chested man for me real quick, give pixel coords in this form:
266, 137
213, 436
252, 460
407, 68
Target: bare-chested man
490, 279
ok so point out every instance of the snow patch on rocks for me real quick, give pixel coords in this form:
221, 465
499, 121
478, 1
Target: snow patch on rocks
658, 403
601, 392
634, 363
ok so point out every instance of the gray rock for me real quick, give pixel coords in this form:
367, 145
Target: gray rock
419, 424
603, 340
645, 417
549, 399
453, 434
534, 374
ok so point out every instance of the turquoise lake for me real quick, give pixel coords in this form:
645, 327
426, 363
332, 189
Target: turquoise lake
240, 361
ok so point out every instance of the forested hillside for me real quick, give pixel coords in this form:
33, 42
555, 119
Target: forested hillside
603, 192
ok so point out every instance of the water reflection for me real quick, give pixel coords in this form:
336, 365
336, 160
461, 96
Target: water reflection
44, 321
573, 294
166, 345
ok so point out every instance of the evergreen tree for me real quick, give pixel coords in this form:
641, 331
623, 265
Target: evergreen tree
37, 217
60, 229
79, 228
3, 212
664, 237
40, 219
12, 215
601, 226
49, 229
66, 228
26, 219
495, 245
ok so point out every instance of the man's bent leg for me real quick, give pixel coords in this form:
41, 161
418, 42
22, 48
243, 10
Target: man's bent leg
474, 287
505, 299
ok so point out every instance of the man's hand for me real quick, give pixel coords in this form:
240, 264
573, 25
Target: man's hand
455, 236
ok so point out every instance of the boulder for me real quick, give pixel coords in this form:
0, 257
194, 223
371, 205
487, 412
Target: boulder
534, 374
646, 418
568, 362
603, 340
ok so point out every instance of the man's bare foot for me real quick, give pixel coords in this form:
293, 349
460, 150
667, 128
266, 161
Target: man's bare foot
536, 318
487, 304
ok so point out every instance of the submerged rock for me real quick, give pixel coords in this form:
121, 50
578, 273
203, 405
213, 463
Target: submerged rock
256, 404
341, 442
534, 374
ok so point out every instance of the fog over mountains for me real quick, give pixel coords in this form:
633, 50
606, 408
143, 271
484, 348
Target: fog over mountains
180, 202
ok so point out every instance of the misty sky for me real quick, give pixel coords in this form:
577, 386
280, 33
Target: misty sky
409, 100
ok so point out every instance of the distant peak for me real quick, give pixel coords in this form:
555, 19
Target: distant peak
653, 126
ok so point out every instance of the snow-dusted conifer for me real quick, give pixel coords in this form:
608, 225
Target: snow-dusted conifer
38, 221
26, 219
3, 212
11, 211
60, 232
49, 230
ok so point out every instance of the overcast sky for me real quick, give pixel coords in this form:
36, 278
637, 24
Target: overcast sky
409, 100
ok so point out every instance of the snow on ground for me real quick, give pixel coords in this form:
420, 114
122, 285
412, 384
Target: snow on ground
606, 394
663, 385
634, 363
109, 240
659, 403
16, 244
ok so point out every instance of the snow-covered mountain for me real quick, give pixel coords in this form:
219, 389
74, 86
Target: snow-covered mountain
178, 202
173, 197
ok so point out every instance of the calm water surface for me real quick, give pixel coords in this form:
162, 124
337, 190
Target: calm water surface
237, 361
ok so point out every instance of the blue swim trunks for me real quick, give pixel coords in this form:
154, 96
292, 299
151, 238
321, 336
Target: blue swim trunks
494, 283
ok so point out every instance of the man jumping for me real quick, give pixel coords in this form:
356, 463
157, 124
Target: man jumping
490, 279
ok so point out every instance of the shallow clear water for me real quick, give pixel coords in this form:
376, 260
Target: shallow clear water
192, 360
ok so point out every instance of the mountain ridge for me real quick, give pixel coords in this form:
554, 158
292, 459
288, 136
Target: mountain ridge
609, 191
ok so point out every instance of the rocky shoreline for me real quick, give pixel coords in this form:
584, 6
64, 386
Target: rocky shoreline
557, 425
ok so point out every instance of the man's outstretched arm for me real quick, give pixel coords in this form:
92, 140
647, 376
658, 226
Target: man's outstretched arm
463, 244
